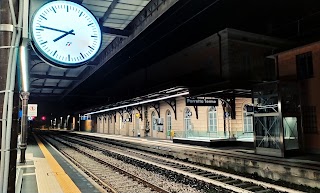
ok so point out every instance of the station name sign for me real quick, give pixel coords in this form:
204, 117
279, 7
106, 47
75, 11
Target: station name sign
201, 101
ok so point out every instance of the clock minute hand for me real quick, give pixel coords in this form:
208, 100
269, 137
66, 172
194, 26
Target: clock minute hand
67, 33
54, 29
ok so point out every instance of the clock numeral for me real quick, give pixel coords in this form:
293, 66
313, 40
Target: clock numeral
80, 14
82, 55
44, 42
67, 8
54, 10
90, 24
94, 36
69, 57
39, 29
91, 47
55, 53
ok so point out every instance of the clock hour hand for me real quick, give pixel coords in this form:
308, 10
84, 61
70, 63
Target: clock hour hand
67, 33
54, 29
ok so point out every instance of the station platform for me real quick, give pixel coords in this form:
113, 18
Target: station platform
244, 147
47, 171
217, 142
300, 170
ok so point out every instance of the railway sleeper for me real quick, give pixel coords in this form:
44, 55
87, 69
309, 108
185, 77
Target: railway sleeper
232, 181
252, 188
175, 166
223, 179
206, 174
214, 177
122, 186
189, 170
242, 185
200, 173
263, 191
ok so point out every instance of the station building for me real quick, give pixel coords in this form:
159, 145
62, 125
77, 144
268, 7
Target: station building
301, 65
202, 122
232, 58
250, 70
229, 57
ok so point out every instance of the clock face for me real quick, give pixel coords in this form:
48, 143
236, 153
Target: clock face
65, 33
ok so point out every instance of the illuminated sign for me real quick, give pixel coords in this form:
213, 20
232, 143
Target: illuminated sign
197, 101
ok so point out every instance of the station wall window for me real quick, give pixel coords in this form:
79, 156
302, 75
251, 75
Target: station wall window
168, 118
309, 119
187, 120
212, 120
247, 122
153, 119
304, 66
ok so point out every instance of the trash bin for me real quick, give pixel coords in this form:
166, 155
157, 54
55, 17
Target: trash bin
172, 134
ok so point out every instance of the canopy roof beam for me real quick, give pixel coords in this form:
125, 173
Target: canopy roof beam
41, 76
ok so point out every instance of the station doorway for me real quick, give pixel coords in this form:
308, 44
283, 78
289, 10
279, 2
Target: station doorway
154, 124
137, 125
168, 124
187, 123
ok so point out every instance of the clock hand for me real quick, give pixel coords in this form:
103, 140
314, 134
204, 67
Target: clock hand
54, 29
67, 33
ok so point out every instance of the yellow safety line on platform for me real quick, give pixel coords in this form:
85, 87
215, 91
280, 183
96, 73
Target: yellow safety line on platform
64, 180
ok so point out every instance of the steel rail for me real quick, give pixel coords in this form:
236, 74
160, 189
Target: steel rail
181, 165
90, 174
75, 162
148, 184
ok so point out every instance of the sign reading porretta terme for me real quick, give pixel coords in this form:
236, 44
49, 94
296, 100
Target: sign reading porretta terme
201, 101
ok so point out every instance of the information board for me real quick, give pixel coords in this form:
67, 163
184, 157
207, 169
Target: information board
32, 110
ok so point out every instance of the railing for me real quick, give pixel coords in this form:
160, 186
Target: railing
18, 184
203, 134
200, 134
241, 135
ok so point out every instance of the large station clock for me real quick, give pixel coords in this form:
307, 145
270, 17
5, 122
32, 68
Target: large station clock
65, 34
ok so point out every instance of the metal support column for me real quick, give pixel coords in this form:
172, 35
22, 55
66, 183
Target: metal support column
24, 79
104, 120
13, 145
24, 126
5, 41
196, 110
10, 34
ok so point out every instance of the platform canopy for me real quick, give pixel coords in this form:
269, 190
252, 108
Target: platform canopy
155, 97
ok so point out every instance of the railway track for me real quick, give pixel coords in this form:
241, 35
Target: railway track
110, 177
229, 181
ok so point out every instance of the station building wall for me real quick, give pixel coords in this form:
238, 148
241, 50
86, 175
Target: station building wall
227, 55
309, 87
200, 126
